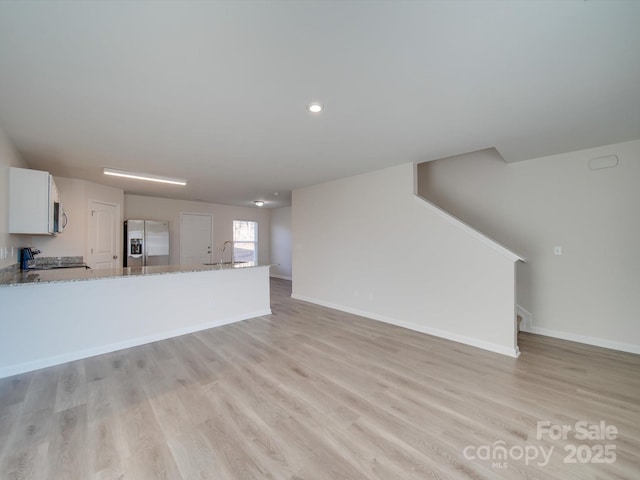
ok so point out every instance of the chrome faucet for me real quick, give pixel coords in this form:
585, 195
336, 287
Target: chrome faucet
224, 246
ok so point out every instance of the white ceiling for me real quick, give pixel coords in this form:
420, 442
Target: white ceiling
216, 92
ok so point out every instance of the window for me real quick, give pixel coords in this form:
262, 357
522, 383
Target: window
245, 241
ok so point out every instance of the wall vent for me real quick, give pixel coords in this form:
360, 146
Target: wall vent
603, 162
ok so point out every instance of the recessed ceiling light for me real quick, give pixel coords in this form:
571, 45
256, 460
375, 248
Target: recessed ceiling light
315, 108
258, 203
143, 176
276, 193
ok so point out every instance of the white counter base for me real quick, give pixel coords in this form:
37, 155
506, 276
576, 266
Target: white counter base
52, 323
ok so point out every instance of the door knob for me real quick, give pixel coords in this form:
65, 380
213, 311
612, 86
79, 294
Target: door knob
115, 257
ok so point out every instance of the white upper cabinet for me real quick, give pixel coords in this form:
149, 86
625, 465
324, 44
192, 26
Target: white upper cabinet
32, 195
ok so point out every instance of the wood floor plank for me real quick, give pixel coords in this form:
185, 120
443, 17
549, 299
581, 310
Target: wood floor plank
107, 365
195, 457
310, 393
228, 446
14, 389
43, 391
67, 458
72, 386
9, 422
30, 442
106, 447
150, 456
307, 450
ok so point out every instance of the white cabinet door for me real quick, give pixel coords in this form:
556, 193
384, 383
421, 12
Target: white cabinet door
30, 204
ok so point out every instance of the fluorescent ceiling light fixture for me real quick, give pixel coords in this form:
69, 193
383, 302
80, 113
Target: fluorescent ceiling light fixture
258, 203
143, 176
315, 108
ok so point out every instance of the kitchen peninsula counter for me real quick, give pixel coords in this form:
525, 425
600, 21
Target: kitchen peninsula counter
56, 316
34, 276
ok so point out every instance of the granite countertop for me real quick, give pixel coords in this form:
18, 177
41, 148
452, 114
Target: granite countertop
49, 263
12, 277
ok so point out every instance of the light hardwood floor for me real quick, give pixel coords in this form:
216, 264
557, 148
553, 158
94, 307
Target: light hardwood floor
312, 393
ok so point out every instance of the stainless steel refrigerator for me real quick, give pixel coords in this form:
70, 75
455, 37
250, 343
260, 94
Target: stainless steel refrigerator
146, 243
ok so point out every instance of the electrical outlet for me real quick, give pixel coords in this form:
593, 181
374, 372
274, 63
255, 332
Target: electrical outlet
557, 250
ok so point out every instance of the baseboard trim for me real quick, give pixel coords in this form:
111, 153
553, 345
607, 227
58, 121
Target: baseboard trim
473, 342
574, 337
113, 347
282, 277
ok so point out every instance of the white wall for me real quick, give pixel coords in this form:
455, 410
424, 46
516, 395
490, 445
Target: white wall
8, 158
75, 196
589, 293
281, 242
367, 245
153, 208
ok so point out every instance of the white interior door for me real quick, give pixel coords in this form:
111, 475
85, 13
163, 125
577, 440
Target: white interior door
196, 238
104, 232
